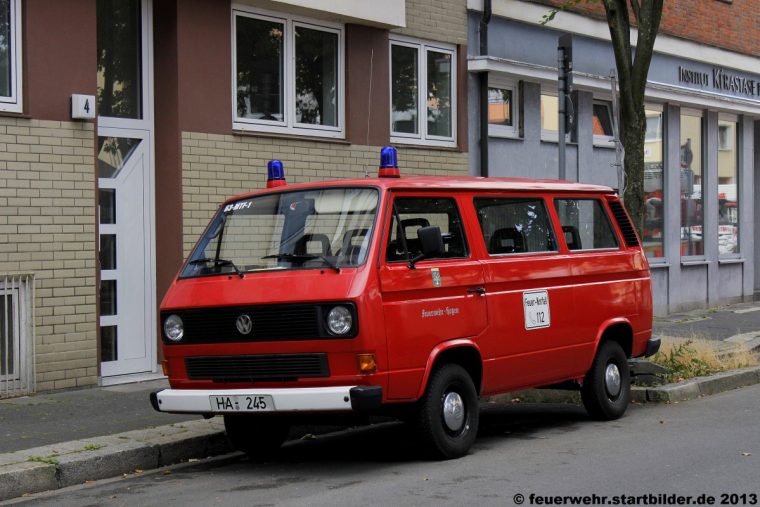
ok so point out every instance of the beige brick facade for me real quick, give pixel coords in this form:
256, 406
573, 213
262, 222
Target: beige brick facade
215, 167
47, 227
436, 20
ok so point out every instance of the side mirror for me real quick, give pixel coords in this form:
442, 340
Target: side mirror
431, 244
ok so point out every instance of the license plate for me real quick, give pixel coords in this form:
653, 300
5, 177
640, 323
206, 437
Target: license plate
242, 403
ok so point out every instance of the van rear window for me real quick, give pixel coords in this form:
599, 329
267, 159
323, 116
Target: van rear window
585, 224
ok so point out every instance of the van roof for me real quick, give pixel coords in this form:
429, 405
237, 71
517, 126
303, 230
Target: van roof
445, 183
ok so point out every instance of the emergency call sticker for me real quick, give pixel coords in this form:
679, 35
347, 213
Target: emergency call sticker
536, 307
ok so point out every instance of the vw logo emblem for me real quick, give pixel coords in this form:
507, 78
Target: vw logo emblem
244, 324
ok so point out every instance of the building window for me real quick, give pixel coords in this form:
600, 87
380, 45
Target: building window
549, 116
654, 191
423, 75
288, 74
10, 56
728, 187
601, 125
502, 109
692, 184
120, 66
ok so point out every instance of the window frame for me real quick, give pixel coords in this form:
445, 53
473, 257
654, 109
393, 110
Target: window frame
702, 115
551, 136
604, 141
423, 47
734, 144
290, 125
603, 206
14, 103
661, 259
393, 214
549, 222
505, 131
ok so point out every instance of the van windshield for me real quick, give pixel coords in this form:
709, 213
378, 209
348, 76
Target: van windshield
310, 229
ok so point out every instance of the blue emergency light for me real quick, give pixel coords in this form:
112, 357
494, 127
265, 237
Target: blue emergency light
389, 163
275, 174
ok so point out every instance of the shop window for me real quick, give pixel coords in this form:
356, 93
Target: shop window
692, 184
423, 92
514, 226
288, 74
602, 123
654, 190
728, 187
585, 224
10, 56
502, 110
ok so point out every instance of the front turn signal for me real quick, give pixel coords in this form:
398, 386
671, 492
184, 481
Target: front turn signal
367, 363
165, 367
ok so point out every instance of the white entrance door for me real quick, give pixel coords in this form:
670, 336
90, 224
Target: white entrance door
126, 265
125, 175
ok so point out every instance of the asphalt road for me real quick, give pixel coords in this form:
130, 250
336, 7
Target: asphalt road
705, 446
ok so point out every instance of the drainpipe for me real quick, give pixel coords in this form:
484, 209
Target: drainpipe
484, 89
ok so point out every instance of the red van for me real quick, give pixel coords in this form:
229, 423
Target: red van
404, 296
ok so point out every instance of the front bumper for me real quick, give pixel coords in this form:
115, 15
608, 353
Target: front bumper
312, 399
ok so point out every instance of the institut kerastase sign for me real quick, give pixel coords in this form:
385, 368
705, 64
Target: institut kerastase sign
720, 80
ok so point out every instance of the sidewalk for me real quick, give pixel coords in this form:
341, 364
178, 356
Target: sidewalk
54, 440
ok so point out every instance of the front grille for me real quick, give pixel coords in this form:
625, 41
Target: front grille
269, 323
626, 227
275, 367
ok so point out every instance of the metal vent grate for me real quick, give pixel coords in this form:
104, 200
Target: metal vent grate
275, 367
16, 335
626, 227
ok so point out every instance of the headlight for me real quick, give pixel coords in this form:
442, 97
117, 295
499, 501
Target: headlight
173, 328
339, 320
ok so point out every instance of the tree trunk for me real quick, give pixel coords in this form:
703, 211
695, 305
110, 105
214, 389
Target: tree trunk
634, 130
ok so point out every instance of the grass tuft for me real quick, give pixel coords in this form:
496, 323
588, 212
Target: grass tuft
687, 358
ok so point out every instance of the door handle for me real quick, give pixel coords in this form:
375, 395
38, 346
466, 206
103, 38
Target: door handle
480, 291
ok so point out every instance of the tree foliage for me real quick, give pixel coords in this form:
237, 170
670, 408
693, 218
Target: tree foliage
632, 69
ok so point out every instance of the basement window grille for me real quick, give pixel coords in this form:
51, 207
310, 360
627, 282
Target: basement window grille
16, 335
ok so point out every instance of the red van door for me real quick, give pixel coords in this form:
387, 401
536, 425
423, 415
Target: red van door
532, 336
438, 300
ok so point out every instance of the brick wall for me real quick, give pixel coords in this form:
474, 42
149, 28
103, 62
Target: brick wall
732, 26
47, 226
215, 167
437, 20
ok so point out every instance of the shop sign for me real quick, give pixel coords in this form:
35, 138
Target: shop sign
720, 80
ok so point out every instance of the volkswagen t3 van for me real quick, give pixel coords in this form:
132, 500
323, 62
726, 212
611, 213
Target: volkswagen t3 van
404, 296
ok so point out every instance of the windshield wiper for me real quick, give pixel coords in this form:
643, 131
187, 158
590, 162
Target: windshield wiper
303, 257
218, 262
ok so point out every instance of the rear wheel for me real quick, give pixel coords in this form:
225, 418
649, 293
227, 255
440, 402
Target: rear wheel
258, 437
448, 415
606, 389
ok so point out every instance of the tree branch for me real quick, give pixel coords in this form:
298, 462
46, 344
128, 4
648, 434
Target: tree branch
620, 33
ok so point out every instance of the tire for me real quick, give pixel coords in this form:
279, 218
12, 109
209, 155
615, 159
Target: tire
259, 437
607, 398
450, 388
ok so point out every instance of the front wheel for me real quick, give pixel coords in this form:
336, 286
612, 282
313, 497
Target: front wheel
258, 437
448, 415
606, 389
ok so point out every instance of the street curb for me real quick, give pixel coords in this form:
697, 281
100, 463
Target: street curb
668, 393
69, 463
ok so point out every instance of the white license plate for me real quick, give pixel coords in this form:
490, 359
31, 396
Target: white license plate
242, 403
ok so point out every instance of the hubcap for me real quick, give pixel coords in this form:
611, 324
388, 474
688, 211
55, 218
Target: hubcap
612, 380
453, 411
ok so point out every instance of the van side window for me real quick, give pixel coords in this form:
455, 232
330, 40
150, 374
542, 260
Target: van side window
513, 225
585, 224
411, 213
